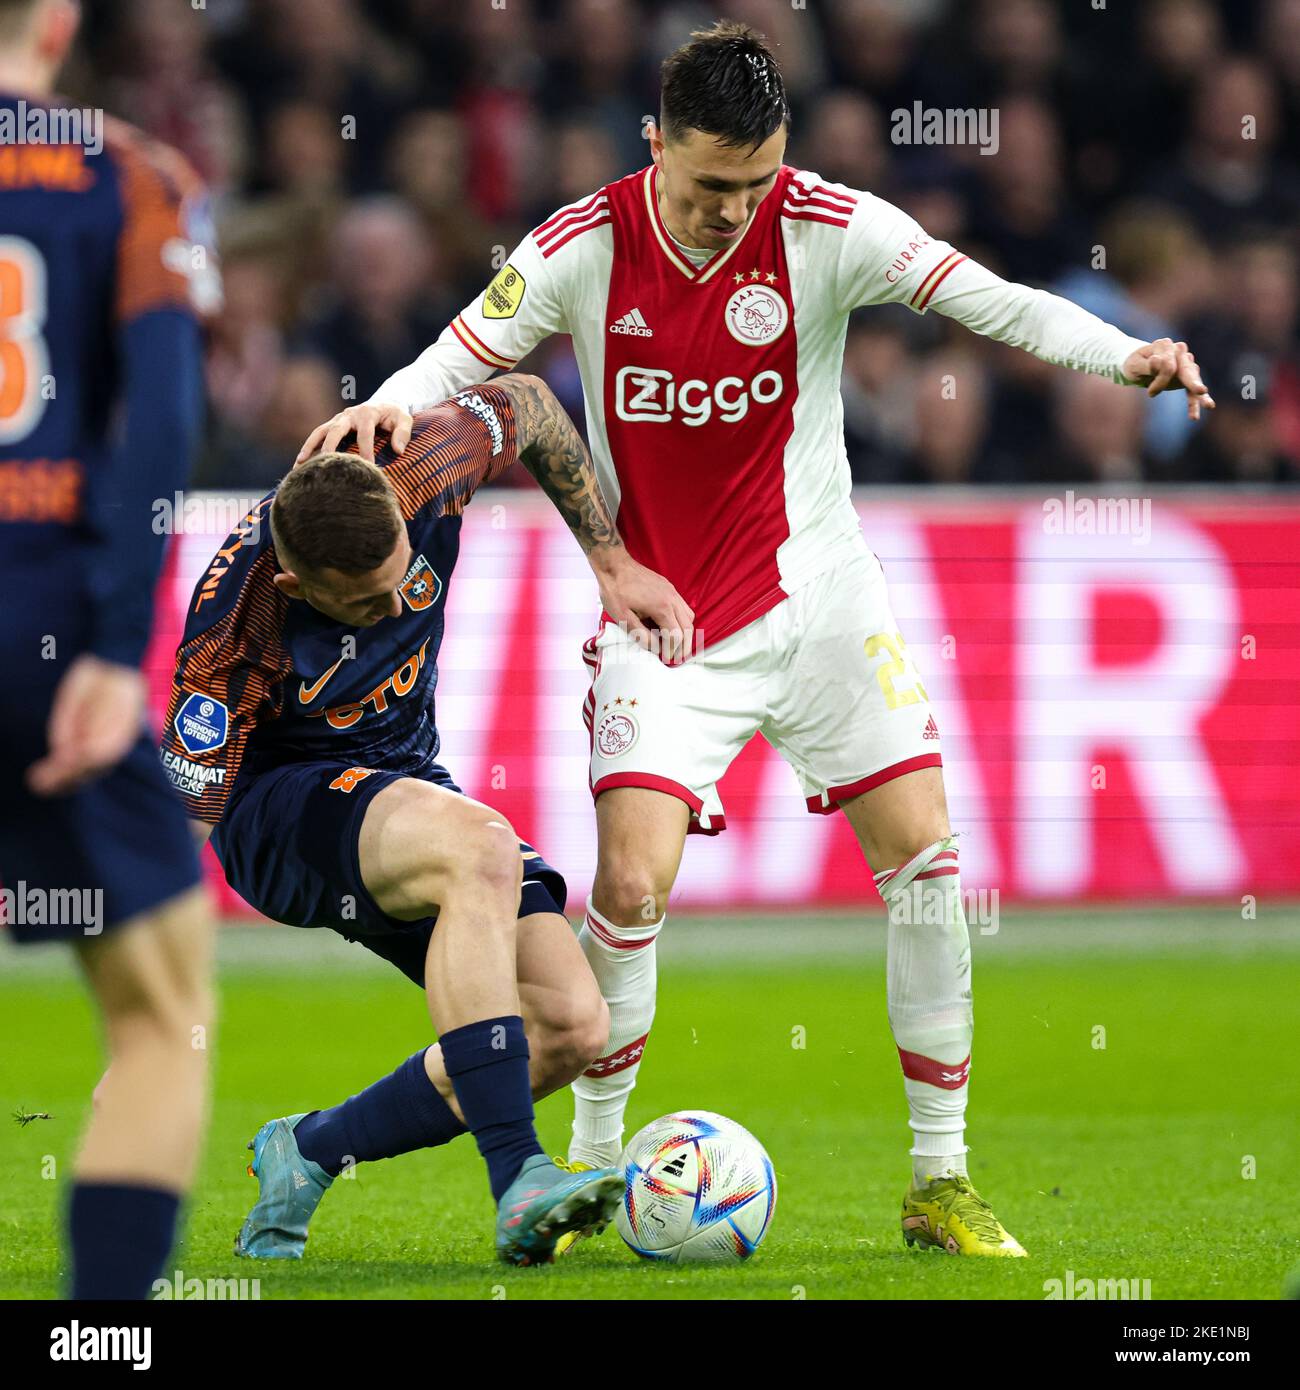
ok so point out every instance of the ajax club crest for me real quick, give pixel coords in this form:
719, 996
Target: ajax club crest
756, 314
616, 733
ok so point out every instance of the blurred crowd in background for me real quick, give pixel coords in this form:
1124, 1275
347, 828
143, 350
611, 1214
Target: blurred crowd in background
370, 158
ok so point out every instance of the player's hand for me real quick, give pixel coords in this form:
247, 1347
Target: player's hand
97, 714
654, 614
363, 420
1165, 365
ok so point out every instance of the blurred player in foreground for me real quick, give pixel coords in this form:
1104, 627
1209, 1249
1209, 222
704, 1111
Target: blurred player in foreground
100, 397
708, 297
302, 728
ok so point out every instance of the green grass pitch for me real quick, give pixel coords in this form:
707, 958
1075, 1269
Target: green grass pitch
1168, 1153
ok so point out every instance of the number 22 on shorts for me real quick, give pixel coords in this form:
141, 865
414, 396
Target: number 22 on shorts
889, 671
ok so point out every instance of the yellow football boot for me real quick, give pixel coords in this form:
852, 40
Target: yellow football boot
570, 1238
948, 1214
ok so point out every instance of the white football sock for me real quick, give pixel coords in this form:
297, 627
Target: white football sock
935, 1156
623, 962
929, 993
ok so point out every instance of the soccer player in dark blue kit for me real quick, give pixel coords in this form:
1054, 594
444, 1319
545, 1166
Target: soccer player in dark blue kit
101, 268
301, 727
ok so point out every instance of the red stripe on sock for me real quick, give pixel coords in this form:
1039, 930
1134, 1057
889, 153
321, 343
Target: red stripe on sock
620, 1060
932, 871
619, 943
945, 1075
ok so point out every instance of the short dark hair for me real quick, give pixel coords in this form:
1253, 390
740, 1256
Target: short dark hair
335, 511
726, 83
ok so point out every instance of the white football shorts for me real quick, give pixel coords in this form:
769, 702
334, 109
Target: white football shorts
824, 676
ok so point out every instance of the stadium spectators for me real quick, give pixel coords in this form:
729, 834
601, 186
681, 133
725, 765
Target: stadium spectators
374, 159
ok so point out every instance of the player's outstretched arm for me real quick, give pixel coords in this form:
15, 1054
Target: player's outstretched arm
885, 257
551, 449
1059, 331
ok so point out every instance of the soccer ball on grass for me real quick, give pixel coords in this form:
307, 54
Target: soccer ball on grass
699, 1188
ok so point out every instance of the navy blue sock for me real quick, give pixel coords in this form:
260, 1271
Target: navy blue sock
397, 1115
488, 1066
120, 1238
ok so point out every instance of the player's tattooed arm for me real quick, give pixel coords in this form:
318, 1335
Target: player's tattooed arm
551, 449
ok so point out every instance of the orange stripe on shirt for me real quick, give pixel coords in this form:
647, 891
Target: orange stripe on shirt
153, 248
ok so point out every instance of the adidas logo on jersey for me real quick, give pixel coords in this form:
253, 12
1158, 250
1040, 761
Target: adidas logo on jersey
931, 729
633, 325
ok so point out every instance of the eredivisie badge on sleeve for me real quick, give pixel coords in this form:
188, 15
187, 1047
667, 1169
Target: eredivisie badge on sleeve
201, 724
502, 298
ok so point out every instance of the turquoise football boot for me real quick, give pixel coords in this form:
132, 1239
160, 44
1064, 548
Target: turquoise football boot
290, 1188
545, 1202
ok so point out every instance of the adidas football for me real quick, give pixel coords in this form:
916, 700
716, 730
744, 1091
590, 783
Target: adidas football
699, 1188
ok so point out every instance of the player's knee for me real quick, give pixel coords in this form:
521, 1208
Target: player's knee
158, 1013
905, 843
570, 1041
631, 894
487, 862
588, 1034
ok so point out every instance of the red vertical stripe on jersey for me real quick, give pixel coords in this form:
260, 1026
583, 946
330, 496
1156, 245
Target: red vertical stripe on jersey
698, 416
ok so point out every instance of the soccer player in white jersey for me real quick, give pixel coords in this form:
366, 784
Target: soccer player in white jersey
707, 296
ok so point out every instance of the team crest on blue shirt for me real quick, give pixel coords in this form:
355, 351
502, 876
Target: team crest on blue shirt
421, 587
201, 724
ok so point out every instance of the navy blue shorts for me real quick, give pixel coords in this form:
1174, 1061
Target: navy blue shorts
113, 849
289, 843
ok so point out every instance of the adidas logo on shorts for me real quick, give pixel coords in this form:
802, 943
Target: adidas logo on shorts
633, 325
931, 729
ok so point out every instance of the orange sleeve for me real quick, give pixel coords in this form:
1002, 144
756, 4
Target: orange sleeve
228, 679
166, 254
455, 448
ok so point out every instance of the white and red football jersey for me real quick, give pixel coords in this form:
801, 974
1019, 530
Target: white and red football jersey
712, 390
